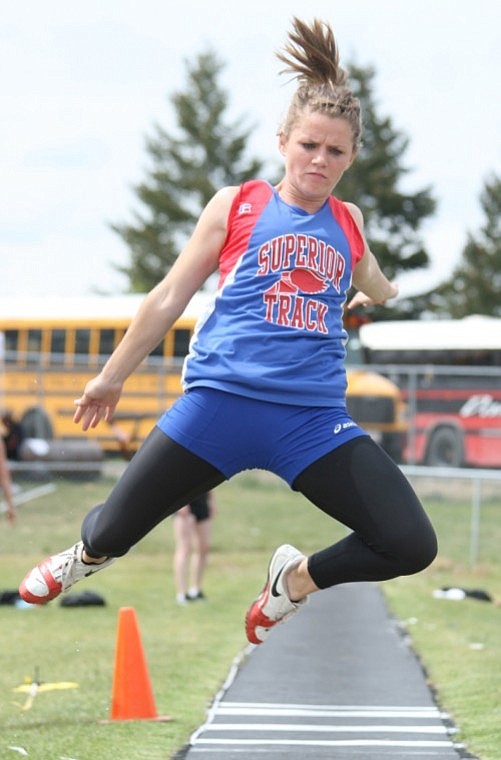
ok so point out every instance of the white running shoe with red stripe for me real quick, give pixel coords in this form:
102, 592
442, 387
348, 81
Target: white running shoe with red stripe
273, 605
57, 574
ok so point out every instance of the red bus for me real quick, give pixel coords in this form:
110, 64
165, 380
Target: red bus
449, 372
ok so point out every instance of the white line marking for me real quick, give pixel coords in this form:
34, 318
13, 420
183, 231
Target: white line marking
311, 711
314, 728
370, 708
33, 493
329, 743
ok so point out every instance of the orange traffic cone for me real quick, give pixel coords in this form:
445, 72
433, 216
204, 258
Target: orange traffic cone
132, 696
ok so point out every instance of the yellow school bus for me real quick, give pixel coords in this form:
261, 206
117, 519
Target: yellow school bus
53, 346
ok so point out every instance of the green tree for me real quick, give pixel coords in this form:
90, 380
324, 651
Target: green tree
392, 217
475, 284
186, 170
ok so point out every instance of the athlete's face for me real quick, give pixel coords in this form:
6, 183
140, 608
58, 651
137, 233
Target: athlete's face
317, 152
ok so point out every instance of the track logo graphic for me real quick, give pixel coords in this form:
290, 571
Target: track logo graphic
306, 267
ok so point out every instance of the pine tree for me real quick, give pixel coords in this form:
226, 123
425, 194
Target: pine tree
475, 284
392, 217
186, 170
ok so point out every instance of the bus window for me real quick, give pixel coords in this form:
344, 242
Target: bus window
157, 352
181, 342
34, 346
82, 343
11, 345
57, 341
106, 342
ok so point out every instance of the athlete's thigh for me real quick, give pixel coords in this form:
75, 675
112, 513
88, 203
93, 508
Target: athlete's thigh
161, 477
360, 485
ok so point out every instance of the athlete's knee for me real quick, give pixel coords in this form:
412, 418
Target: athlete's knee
416, 552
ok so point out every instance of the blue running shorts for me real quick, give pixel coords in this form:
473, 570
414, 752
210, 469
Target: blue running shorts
235, 433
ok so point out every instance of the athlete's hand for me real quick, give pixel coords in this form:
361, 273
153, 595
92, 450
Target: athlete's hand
362, 299
98, 402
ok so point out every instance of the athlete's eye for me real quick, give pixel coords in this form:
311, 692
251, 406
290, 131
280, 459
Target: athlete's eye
308, 145
335, 151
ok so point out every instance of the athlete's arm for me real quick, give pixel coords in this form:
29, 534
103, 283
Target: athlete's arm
159, 310
373, 286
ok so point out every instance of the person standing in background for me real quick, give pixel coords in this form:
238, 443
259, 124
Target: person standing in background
192, 529
6, 484
12, 435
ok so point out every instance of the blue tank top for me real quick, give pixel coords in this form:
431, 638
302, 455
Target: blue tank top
274, 330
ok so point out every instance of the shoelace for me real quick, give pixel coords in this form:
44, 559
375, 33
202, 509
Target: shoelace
69, 567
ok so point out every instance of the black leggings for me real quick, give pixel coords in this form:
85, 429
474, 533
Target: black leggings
356, 484
359, 485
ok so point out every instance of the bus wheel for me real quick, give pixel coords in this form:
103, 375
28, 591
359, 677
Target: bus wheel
35, 423
445, 448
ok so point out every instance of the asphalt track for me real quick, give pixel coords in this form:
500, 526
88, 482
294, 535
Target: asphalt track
337, 681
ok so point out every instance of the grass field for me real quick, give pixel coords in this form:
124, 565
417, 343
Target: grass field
189, 650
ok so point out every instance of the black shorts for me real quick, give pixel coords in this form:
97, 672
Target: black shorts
199, 508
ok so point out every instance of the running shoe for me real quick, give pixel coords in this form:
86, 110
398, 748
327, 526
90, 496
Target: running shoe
195, 596
273, 604
57, 574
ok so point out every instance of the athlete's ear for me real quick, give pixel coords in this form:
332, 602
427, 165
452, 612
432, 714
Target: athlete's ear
282, 143
353, 157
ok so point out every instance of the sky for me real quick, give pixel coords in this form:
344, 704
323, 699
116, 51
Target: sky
82, 86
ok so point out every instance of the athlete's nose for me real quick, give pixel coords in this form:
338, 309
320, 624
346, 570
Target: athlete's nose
318, 159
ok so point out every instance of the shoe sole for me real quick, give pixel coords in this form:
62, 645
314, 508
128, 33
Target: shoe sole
54, 587
255, 617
